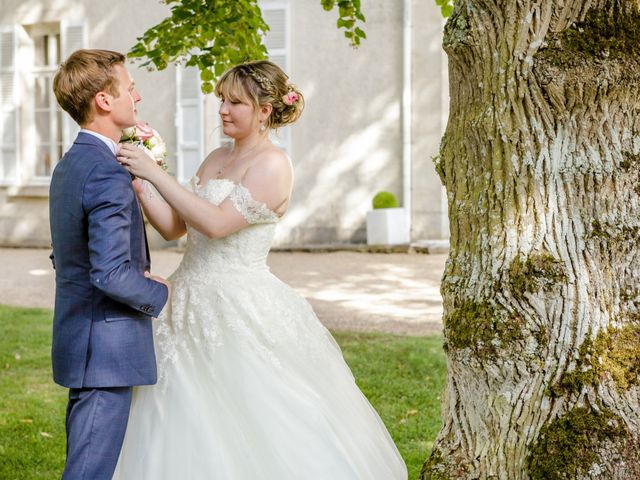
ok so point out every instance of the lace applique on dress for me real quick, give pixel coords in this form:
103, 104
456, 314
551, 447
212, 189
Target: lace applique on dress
252, 210
211, 276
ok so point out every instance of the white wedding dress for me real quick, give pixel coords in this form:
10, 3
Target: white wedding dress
251, 385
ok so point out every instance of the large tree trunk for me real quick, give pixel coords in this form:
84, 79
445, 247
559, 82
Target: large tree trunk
541, 161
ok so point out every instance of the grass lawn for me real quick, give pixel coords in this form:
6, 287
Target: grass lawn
403, 378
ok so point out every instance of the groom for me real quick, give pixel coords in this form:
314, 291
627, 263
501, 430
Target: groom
105, 298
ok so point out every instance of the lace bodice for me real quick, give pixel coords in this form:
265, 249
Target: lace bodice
240, 251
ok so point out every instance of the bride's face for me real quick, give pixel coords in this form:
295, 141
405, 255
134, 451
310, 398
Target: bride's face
238, 117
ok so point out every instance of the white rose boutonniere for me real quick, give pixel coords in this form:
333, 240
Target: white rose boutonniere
149, 140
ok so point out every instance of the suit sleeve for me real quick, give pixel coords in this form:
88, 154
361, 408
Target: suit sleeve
107, 200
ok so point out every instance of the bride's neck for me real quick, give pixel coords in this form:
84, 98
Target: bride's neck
251, 142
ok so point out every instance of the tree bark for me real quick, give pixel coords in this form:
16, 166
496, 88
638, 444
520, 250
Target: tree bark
541, 162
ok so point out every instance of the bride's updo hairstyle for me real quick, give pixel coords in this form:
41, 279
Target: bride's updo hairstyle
259, 83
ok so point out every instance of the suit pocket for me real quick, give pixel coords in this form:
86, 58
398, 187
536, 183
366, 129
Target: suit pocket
120, 315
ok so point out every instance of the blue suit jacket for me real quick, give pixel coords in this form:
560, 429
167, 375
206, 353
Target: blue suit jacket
102, 333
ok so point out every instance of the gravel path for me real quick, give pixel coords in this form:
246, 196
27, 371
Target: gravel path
394, 292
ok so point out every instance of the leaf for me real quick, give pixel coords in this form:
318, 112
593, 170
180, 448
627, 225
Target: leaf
447, 10
216, 34
342, 23
207, 75
345, 11
219, 69
207, 87
46, 435
183, 14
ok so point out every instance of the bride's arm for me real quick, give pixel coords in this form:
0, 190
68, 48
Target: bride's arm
269, 181
160, 214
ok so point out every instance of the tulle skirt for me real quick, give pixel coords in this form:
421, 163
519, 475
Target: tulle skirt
251, 386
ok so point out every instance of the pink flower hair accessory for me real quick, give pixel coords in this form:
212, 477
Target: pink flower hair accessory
290, 98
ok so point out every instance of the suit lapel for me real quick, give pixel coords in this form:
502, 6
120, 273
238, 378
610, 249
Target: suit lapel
88, 139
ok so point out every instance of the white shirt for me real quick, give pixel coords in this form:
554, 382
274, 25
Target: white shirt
113, 146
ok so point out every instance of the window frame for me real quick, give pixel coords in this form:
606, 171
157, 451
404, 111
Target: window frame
56, 114
11, 107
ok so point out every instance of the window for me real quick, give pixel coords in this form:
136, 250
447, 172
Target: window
189, 122
8, 106
34, 131
47, 115
275, 15
276, 41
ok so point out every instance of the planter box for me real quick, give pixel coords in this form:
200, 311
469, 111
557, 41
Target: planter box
387, 226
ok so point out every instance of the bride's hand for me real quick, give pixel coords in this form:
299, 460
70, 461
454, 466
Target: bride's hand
138, 162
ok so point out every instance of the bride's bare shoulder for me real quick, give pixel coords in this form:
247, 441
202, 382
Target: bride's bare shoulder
270, 175
273, 160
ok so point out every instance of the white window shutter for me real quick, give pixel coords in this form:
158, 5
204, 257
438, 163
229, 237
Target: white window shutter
73, 36
276, 15
189, 122
9, 122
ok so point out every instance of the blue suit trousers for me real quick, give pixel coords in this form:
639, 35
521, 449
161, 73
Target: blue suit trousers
96, 422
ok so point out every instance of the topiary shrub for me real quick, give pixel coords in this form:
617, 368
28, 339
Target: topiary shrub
384, 200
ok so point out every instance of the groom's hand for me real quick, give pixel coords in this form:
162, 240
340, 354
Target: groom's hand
164, 281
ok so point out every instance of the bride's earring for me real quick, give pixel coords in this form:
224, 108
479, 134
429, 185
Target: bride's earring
262, 128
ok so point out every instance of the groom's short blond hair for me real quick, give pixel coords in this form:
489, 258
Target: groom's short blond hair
81, 77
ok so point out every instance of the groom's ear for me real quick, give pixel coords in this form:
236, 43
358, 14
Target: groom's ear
103, 101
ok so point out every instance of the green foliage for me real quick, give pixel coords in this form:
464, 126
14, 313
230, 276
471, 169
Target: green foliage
446, 7
568, 446
402, 377
349, 14
384, 200
211, 35
214, 35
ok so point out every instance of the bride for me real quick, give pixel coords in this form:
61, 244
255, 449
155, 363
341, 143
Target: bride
251, 385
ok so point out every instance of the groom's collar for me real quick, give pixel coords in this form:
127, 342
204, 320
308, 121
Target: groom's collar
113, 146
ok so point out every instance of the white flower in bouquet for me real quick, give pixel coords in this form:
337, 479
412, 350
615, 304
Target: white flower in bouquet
149, 140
